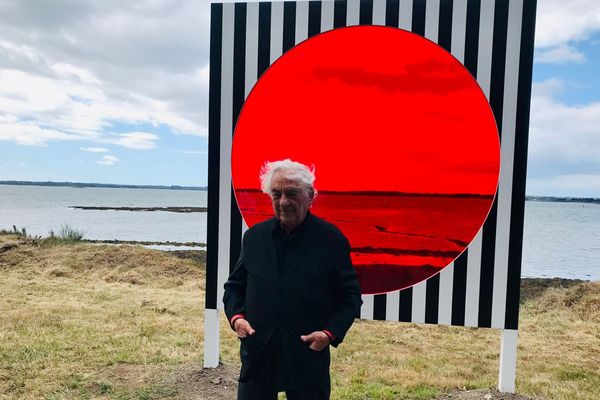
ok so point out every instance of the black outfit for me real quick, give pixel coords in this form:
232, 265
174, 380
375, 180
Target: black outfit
287, 287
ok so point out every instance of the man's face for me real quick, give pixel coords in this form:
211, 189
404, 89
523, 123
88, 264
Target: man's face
290, 200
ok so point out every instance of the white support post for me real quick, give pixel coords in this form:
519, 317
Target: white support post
211, 338
508, 361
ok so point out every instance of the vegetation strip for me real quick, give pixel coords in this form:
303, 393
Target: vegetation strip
145, 243
167, 209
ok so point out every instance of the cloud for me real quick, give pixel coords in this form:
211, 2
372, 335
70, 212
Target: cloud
135, 140
559, 55
94, 149
74, 69
559, 22
564, 140
574, 185
108, 160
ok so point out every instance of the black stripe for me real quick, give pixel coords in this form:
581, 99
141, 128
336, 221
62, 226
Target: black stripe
405, 312
498, 60
496, 99
289, 25
459, 289
214, 129
239, 82
392, 13
445, 25
515, 247
314, 17
486, 281
379, 304
365, 16
264, 37
418, 17
432, 299
340, 8
472, 35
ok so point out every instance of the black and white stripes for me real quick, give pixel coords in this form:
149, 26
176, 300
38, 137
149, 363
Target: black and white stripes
492, 38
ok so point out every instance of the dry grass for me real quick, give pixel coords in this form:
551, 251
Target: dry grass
109, 322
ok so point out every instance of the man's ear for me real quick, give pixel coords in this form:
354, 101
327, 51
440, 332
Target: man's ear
311, 196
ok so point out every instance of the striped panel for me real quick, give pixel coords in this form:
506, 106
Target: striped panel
493, 39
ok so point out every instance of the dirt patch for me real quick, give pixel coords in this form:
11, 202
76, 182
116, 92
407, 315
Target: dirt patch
196, 383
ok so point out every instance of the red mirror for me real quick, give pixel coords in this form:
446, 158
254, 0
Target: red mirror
404, 142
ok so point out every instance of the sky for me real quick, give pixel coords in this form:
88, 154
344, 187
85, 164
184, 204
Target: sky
117, 92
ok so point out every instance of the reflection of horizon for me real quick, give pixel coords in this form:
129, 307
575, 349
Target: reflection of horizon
396, 240
391, 193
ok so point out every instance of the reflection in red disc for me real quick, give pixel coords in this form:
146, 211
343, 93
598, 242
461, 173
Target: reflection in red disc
404, 143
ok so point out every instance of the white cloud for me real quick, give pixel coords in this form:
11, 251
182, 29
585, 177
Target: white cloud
576, 185
564, 141
559, 55
108, 160
148, 64
94, 149
135, 140
559, 22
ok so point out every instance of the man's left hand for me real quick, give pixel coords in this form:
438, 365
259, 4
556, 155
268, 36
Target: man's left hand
318, 340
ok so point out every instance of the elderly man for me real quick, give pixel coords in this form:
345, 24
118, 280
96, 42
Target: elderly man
293, 292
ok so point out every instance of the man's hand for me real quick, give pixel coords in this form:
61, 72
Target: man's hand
243, 328
318, 340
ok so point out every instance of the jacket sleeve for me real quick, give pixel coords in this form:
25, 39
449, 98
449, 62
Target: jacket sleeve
234, 298
347, 296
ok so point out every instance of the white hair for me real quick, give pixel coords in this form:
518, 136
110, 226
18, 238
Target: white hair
292, 170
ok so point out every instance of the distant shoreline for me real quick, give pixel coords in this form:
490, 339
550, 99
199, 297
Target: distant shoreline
547, 199
101, 185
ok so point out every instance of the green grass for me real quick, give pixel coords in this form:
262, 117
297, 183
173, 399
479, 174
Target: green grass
83, 321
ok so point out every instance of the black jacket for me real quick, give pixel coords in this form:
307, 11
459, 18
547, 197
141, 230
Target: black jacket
288, 287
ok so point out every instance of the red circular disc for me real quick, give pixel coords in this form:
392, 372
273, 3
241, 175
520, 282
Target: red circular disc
404, 142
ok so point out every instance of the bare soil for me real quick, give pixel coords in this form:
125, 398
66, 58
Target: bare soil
197, 383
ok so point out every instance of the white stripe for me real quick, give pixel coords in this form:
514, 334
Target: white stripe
459, 29
509, 114
418, 302
405, 17
251, 46
225, 156
353, 13
301, 21
366, 311
445, 298
327, 15
486, 37
392, 306
473, 279
432, 19
276, 30
378, 12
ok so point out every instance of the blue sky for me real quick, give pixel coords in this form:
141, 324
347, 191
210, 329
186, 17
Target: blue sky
117, 92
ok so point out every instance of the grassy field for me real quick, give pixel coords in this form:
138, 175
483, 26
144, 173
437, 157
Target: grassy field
83, 321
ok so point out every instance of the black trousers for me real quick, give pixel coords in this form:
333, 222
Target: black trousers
260, 389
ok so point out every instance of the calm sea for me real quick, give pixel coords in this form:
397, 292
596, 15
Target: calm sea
560, 240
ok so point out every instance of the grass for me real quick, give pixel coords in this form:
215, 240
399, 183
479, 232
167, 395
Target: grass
85, 321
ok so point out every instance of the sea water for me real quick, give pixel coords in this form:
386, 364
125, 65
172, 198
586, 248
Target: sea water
560, 239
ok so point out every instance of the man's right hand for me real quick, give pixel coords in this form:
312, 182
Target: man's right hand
242, 328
